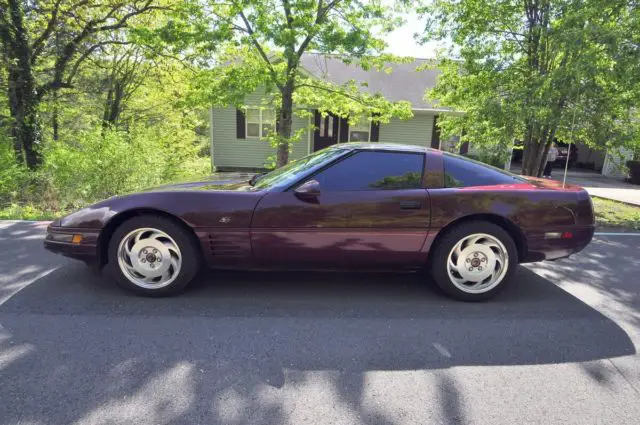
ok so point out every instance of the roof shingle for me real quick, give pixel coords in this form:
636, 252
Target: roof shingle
403, 83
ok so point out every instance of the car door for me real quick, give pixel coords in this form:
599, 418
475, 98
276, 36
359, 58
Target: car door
371, 211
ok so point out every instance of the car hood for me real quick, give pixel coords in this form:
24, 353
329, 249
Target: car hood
179, 199
233, 185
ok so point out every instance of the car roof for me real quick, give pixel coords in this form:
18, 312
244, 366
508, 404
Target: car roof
392, 147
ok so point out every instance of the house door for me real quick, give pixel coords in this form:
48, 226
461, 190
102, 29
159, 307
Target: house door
326, 132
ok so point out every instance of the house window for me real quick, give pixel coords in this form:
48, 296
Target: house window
360, 131
260, 122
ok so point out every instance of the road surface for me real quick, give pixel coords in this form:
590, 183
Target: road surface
557, 347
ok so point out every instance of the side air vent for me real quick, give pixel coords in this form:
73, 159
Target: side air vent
227, 245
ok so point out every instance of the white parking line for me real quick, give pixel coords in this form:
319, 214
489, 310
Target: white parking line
615, 234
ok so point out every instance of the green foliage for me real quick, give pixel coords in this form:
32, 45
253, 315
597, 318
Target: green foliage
494, 159
261, 46
28, 212
110, 106
97, 166
117, 162
524, 70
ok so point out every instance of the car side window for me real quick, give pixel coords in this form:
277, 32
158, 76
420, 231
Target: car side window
462, 172
371, 170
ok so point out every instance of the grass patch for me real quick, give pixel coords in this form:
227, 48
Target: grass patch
616, 214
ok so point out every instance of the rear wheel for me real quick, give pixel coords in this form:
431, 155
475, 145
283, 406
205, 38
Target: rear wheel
153, 256
474, 261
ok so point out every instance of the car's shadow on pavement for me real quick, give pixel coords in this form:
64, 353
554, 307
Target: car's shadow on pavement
254, 347
363, 321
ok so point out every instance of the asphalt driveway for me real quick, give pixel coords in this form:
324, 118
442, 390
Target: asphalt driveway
558, 346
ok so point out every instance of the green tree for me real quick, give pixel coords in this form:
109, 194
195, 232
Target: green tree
44, 44
524, 69
267, 41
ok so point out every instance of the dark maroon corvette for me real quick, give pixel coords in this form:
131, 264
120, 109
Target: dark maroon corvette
351, 206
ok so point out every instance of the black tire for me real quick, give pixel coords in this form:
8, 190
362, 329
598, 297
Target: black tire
189, 250
439, 260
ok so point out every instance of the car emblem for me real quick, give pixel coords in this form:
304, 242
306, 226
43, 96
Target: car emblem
225, 220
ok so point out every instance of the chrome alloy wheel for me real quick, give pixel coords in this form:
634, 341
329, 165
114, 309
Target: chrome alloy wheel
477, 263
149, 258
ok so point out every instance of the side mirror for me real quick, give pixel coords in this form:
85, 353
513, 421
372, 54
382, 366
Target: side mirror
308, 191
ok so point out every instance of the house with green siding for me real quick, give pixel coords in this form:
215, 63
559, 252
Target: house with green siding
237, 135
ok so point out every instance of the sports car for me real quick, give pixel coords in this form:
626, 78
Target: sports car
352, 206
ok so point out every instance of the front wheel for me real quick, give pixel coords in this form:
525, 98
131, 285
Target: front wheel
474, 261
153, 256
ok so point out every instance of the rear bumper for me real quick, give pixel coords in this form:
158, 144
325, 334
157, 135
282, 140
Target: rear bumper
542, 247
86, 250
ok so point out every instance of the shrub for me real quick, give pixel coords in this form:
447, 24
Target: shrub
97, 164
14, 179
103, 163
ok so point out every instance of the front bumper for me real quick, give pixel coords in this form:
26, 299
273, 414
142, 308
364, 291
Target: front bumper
59, 241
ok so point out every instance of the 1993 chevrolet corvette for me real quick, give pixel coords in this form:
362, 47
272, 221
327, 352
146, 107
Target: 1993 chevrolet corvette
351, 206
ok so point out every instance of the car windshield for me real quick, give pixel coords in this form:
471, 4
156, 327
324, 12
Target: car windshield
292, 171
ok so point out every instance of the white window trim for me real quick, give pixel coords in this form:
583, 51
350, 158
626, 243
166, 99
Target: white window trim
349, 133
260, 123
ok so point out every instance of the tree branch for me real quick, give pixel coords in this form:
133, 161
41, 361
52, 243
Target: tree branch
123, 21
261, 51
44, 89
287, 13
320, 16
90, 28
87, 53
38, 44
334, 91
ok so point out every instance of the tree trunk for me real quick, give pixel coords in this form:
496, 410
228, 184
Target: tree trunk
533, 151
530, 158
115, 108
284, 124
55, 124
23, 98
536, 150
547, 144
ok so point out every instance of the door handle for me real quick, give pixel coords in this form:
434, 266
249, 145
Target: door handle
410, 205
